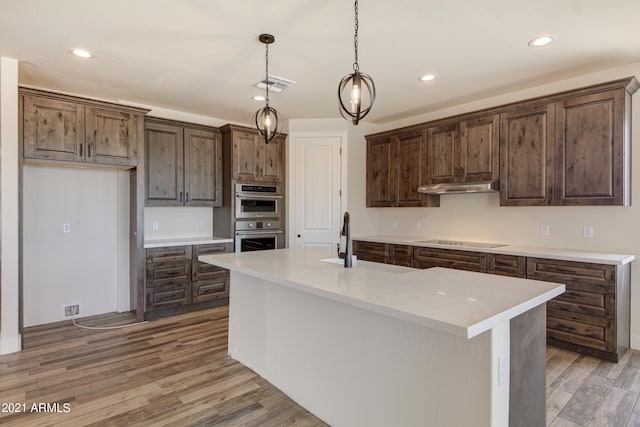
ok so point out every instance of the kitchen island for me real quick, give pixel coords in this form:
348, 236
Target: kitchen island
387, 345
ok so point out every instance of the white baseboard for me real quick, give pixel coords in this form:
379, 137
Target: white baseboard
10, 345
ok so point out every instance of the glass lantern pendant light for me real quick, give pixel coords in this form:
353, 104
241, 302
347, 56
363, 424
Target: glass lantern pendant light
267, 118
353, 109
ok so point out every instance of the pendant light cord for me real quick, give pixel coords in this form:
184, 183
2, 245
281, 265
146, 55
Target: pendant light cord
266, 57
355, 38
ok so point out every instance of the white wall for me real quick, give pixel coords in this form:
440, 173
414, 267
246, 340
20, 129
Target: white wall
10, 340
178, 222
80, 267
479, 216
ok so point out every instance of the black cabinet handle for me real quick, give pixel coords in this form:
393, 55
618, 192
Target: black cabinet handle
181, 197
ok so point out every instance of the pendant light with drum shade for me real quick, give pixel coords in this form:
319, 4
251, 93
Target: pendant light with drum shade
267, 119
358, 82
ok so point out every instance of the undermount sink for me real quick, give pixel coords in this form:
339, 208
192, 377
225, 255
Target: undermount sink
463, 244
340, 260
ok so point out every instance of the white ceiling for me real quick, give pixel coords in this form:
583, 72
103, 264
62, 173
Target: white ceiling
203, 56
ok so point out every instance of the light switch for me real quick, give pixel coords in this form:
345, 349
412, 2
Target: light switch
155, 225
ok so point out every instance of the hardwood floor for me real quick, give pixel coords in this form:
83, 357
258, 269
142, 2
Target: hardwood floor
175, 372
172, 371
583, 391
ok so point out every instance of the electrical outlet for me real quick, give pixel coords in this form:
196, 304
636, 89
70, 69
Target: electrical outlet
66, 228
155, 225
587, 231
544, 230
198, 225
71, 310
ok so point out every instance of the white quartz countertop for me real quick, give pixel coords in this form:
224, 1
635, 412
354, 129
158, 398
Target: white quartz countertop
458, 302
527, 251
163, 243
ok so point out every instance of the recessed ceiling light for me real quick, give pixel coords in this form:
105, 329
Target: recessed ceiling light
427, 77
258, 98
541, 41
82, 53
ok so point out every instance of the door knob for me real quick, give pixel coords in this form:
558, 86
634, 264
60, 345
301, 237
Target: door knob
299, 235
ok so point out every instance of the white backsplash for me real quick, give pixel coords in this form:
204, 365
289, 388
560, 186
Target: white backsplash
177, 222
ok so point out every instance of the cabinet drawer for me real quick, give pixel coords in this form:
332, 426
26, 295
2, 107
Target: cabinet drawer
168, 296
590, 287
581, 329
202, 270
161, 273
207, 290
461, 260
370, 251
401, 255
507, 265
172, 253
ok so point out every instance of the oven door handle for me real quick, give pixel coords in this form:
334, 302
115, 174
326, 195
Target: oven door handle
258, 232
256, 196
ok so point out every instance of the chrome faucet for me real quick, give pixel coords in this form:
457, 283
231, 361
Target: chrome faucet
346, 231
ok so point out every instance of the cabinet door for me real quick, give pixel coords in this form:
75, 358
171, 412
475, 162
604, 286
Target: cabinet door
53, 130
412, 162
441, 155
381, 172
202, 168
164, 164
272, 166
203, 270
479, 149
526, 156
591, 150
246, 155
111, 137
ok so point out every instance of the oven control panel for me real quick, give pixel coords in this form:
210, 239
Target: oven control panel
258, 225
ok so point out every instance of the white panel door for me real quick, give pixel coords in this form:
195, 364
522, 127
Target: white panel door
317, 217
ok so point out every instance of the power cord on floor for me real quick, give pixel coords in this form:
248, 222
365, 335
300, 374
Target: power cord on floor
104, 328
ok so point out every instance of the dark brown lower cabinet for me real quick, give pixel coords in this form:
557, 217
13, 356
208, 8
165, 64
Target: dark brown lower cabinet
507, 265
177, 282
592, 316
387, 253
400, 255
370, 251
449, 258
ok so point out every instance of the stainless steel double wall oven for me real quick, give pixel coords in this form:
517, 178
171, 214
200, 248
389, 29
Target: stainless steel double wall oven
258, 217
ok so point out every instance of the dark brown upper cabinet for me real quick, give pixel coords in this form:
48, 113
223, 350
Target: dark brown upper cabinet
464, 151
592, 150
396, 167
184, 164
479, 155
526, 152
61, 128
252, 159
572, 150
442, 147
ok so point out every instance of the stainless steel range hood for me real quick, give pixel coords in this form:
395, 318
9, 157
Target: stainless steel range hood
461, 187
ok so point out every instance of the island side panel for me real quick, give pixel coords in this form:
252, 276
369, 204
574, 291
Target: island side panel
527, 405
350, 366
